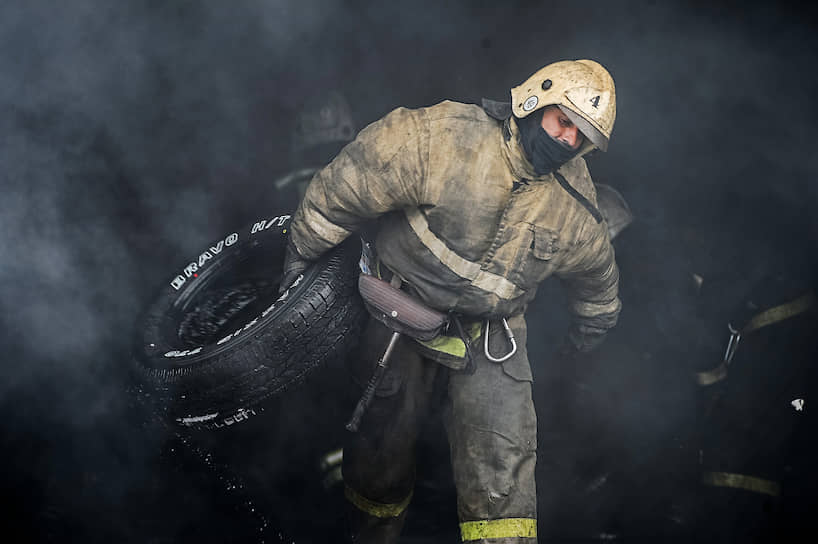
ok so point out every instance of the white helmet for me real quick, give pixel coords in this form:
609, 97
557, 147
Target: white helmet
582, 89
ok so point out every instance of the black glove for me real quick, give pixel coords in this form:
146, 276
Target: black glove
294, 266
582, 339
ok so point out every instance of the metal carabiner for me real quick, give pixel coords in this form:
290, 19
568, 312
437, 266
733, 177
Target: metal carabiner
732, 344
509, 335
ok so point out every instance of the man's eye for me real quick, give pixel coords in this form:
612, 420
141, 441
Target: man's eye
565, 122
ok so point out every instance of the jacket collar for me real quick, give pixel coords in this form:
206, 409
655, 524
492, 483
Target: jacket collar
513, 149
514, 153
497, 110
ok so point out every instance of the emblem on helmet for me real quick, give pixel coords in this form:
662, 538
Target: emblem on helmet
530, 103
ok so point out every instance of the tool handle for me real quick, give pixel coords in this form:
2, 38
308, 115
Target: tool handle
374, 381
366, 399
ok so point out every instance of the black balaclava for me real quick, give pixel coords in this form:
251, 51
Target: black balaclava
545, 153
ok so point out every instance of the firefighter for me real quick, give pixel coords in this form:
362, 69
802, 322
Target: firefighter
749, 340
318, 134
475, 206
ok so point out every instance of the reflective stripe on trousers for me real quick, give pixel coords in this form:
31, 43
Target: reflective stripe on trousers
374, 508
490, 420
498, 528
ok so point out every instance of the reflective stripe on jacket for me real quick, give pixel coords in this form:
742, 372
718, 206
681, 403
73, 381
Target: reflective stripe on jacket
441, 181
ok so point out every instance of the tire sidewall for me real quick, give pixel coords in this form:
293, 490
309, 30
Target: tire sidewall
155, 346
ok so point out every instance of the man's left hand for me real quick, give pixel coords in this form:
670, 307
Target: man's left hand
294, 266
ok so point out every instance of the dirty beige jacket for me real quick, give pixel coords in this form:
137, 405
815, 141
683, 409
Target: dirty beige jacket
441, 181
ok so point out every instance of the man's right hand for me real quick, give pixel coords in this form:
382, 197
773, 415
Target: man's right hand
294, 266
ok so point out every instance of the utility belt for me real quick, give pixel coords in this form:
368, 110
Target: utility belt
400, 309
454, 342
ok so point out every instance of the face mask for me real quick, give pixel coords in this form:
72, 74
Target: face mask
545, 153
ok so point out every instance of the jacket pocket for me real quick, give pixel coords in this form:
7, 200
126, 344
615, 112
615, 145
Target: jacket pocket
518, 367
545, 243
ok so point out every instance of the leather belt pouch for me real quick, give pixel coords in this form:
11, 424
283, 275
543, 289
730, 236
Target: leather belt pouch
399, 311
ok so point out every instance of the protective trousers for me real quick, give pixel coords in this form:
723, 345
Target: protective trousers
491, 424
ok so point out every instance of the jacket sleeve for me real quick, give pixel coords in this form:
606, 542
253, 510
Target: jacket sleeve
383, 169
592, 278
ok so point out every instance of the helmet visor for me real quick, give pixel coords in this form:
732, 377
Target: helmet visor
586, 128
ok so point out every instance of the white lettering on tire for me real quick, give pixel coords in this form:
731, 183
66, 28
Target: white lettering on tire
193, 268
204, 257
192, 420
278, 221
178, 281
185, 353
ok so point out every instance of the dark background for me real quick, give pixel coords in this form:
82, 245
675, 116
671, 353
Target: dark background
133, 134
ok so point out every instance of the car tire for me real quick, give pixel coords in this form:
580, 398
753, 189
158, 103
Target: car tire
218, 340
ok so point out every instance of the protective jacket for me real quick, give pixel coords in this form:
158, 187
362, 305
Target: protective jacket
463, 218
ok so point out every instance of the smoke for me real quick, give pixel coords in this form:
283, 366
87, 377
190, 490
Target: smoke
133, 134
128, 130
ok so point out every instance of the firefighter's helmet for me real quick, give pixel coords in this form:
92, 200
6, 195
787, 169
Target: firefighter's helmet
325, 120
583, 90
